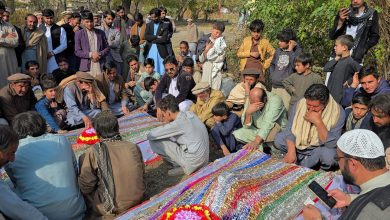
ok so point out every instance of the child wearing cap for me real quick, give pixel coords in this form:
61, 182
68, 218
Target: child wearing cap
52, 111
225, 123
297, 83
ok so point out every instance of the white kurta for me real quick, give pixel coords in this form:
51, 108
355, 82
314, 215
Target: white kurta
52, 63
8, 61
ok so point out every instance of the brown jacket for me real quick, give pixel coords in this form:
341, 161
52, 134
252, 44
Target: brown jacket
119, 87
203, 109
134, 31
266, 52
12, 104
128, 174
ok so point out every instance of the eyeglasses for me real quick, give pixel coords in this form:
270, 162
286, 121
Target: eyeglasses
336, 158
170, 69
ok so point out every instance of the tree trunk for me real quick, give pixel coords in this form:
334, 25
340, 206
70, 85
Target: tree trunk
11, 4
126, 4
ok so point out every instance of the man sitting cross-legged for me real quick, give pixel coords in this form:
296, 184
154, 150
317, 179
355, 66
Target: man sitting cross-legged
314, 126
264, 115
184, 141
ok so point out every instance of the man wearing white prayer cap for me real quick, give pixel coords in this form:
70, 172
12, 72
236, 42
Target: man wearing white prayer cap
361, 158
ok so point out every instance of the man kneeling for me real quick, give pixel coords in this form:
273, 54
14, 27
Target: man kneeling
183, 142
314, 126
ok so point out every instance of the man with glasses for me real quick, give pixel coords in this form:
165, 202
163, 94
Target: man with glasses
17, 97
178, 84
56, 39
361, 158
8, 41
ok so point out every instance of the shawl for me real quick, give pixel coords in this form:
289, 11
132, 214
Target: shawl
361, 23
305, 132
141, 34
348, 124
37, 38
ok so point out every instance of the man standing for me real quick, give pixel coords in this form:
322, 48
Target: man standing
178, 84
122, 23
21, 44
315, 123
17, 97
71, 28
56, 39
114, 40
36, 43
361, 22
91, 46
8, 41
168, 23
263, 117
65, 19
156, 36
192, 35
183, 141
361, 159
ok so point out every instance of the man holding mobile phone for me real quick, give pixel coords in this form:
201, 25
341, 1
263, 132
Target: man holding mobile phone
361, 22
361, 157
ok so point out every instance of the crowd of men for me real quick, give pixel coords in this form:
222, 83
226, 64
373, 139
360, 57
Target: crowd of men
89, 69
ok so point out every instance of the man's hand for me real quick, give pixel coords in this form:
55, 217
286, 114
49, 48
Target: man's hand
291, 45
225, 150
125, 110
159, 115
343, 14
62, 131
251, 146
87, 122
143, 108
313, 117
254, 107
342, 199
290, 158
49, 55
95, 56
310, 212
131, 84
355, 80
247, 88
209, 45
255, 54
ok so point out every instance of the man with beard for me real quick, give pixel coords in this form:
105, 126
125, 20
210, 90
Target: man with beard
17, 97
71, 28
114, 40
361, 22
315, 124
36, 43
380, 111
122, 23
361, 158
169, 24
21, 44
156, 36
91, 46
8, 41
237, 97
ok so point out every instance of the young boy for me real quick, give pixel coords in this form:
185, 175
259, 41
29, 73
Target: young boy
213, 56
63, 71
359, 116
297, 83
342, 68
49, 109
222, 132
148, 97
188, 67
140, 88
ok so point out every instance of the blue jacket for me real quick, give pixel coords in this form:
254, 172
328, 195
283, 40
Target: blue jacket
44, 109
383, 88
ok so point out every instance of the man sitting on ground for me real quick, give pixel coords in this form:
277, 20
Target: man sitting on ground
207, 98
176, 83
264, 116
63, 71
358, 116
17, 97
315, 124
112, 169
183, 142
82, 97
361, 159
380, 110
237, 96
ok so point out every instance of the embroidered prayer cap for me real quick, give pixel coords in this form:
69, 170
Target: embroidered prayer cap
85, 77
200, 87
189, 19
66, 13
19, 77
251, 71
96, 15
38, 13
361, 143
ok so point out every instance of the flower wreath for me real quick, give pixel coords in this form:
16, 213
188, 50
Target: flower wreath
88, 136
193, 212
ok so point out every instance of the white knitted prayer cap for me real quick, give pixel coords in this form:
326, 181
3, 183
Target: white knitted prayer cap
361, 143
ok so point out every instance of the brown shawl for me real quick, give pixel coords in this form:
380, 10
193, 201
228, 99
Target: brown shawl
37, 38
134, 31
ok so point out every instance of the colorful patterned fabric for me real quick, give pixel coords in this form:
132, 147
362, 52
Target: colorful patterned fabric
133, 128
244, 185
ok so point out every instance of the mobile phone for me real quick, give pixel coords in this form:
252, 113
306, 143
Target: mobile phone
322, 194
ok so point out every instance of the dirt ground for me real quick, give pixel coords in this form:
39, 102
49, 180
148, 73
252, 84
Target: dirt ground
156, 176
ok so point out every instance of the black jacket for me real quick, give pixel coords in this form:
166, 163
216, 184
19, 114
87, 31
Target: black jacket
185, 83
161, 38
369, 38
